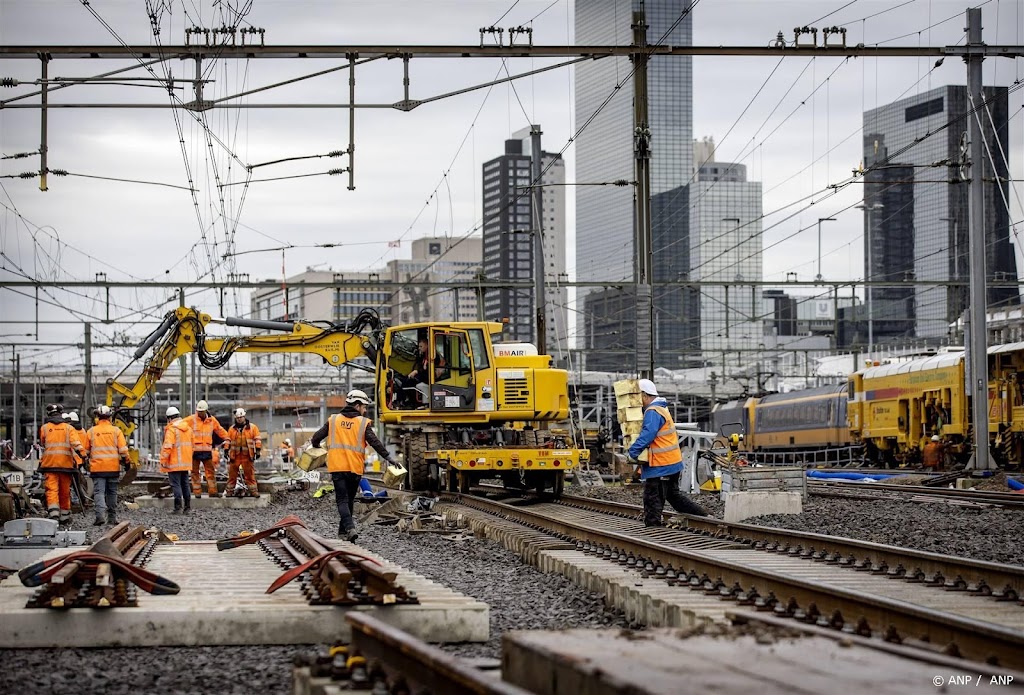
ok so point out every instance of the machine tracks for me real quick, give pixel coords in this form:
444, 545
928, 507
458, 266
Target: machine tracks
960, 607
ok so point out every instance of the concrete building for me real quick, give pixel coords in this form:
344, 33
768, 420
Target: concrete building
916, 221
336, 304
725, 244
604, 149
456, 262
508, 239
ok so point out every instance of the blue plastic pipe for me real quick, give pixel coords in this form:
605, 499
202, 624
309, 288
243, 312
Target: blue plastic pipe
840, 475
1015, 484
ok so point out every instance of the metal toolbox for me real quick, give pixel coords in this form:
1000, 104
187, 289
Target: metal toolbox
764, 479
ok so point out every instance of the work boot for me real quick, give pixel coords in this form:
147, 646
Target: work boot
176, 510
111, 520
98, 522
187, 510
352, 535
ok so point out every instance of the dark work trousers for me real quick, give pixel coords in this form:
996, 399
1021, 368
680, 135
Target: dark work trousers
182, 488
346, 485
657, 490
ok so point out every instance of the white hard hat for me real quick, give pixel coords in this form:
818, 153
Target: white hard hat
172, 411
288, 442
201, 406
357, 396
65, 416
73, 416
239, 412
647, 386
935, 437
103, 411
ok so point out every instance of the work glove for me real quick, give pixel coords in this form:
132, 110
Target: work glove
632, 460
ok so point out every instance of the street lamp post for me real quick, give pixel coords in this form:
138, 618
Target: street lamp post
820, 220
868, 209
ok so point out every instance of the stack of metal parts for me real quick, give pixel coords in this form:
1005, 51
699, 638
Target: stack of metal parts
107, 574
327, 575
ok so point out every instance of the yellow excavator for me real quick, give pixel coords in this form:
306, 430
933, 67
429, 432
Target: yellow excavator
484, 415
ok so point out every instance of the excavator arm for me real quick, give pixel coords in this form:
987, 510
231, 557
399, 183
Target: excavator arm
183, 331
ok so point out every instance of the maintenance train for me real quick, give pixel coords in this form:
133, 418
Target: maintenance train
892, 411
896, 408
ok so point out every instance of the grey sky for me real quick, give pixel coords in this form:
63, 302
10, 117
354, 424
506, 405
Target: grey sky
148, 232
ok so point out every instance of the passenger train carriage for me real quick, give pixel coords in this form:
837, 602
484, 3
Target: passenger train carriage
799, 423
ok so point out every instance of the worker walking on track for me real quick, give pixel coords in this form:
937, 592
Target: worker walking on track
348, 435
203, 427
244, 450
60, 445
664, 464
108, 451
176, 459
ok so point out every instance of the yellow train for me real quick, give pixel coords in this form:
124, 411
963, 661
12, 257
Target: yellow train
895, 409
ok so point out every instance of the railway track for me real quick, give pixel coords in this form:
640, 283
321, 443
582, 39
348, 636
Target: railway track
957, 606
918, 493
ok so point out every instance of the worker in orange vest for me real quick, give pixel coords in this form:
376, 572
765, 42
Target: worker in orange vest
203, 427
108, 451
287, 452
60, 445
932, 453
664, 465
245, 449
348, 435
176, 459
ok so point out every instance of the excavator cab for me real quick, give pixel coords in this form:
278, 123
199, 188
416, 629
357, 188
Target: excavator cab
452, 383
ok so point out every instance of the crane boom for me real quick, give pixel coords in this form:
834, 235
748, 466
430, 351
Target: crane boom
184, 331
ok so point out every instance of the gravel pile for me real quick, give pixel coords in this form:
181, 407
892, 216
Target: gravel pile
520, 597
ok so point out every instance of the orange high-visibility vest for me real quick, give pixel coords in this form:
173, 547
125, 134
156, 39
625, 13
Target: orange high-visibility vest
664, 450
176, 454
245, 442
59, 446
346, 444
202, 432
106, 446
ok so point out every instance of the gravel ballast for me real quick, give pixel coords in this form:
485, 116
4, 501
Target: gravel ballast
982, 533
519, 596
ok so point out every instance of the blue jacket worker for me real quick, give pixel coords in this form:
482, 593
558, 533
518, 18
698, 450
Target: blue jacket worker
664, 459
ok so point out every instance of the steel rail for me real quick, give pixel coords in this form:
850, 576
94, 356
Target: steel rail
808, 601
401, 654
1004, 582
1006, 499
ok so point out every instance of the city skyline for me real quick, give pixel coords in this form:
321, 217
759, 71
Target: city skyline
795, 125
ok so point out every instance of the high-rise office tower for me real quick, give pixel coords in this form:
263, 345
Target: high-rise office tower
916, 217
604, 152
509, 238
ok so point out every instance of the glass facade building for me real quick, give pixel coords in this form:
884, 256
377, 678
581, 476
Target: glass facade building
604, 152
917, 222
725, 244
509, 237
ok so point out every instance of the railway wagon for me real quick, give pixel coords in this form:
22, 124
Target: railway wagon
896, 408
799, 421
